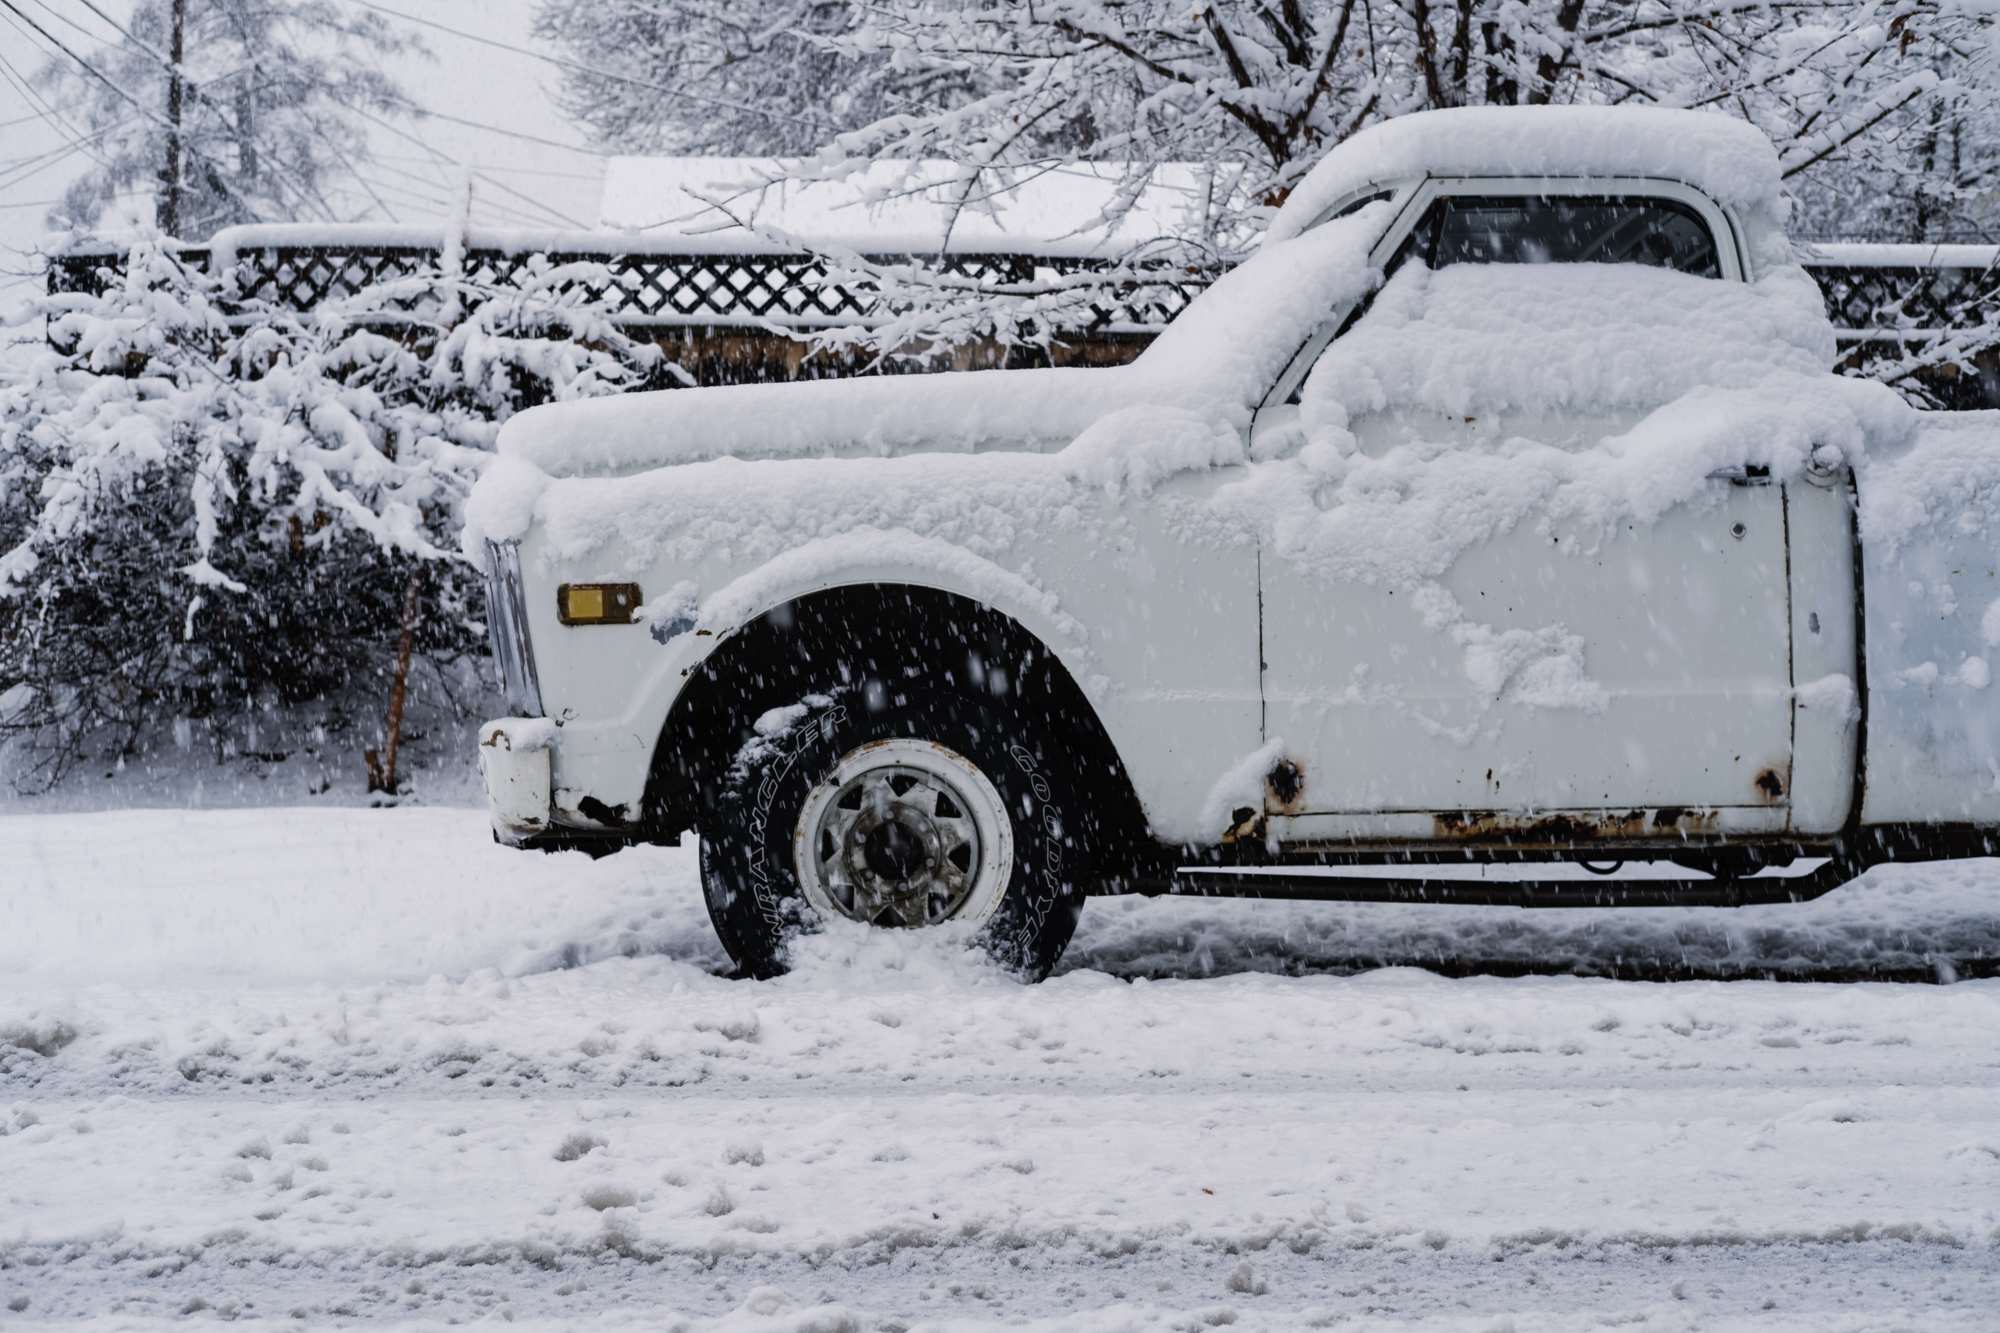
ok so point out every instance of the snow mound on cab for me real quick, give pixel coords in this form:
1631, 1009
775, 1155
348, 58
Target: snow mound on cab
1728, 159
1569, 337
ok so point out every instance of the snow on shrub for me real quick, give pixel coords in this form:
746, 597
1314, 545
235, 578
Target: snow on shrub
208, 503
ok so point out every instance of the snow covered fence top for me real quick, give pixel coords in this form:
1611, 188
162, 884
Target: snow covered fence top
655, 280
1876, 292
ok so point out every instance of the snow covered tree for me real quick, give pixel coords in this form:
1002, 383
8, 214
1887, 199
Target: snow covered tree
260, 119
209, 506
1893, 133
762, 78
1871, 102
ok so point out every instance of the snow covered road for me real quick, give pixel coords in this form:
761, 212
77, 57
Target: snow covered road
343, 1064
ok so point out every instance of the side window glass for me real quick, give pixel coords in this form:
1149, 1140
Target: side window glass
1550, 229
1571, 230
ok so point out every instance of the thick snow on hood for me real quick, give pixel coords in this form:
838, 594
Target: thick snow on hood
1725, 158
872, 416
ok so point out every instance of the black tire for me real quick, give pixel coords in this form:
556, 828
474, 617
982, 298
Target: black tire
749, 875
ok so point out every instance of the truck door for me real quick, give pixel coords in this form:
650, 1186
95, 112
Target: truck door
1555, 683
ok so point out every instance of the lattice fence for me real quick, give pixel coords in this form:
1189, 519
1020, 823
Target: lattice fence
1926, 299
747, 291
751, 292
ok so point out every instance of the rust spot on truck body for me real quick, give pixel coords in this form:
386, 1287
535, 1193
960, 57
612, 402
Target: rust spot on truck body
1770, 784
1245, 825
1569, 829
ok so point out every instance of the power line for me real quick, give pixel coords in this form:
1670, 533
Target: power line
57, 43
550, 209
495, 129
593, 177
439, 197
581, 68
118, 28
438, 155
48, 113
23, 168
506, 214
433, 154
95, 37
22, 120
34, 165
92, 70
51, 203
305, 193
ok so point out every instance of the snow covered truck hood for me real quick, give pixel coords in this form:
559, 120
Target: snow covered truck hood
1213, 367
1218, 360
871, 417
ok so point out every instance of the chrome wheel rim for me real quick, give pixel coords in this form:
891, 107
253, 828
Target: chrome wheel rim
904, 834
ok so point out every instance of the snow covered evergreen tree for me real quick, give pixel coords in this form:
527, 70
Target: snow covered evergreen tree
209, 506
267, 123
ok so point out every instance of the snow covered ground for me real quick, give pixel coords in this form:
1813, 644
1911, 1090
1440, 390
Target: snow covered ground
361, 1066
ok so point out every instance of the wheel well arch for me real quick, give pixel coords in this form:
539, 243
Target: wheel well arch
874, 632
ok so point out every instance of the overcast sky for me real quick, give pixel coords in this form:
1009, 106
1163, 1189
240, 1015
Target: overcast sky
466, 79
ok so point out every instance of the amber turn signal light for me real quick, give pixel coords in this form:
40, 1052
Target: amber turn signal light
597, 603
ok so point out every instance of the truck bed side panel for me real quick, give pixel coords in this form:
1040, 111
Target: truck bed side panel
1931, 584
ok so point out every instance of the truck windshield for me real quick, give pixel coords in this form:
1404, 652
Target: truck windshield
1568, 229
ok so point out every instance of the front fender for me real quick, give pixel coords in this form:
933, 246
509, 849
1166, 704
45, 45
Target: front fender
602, 763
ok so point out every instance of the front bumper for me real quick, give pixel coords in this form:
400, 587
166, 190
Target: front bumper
514, 762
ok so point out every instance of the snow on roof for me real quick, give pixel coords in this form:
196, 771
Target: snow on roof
1727, 159
895, 207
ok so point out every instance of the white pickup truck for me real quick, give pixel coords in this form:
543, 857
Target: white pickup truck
1502, 507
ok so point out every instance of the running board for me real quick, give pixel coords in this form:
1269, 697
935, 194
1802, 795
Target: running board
1609, 892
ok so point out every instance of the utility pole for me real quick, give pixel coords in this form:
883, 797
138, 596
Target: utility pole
168, 211
246, 132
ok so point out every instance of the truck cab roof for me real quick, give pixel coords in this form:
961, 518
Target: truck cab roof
1731, 162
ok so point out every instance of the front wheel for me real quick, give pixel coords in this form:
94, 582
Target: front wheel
904, 815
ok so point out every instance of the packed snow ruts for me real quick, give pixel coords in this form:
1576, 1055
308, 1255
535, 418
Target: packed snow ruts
359, 1065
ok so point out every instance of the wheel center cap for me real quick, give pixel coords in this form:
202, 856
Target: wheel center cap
904, 833
895, 851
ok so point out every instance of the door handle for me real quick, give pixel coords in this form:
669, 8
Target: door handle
1743, 474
